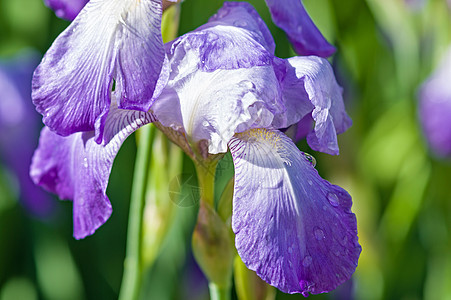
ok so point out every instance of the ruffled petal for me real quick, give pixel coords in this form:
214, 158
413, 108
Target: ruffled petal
244, 15
213, 106
290, 15
295, 229
77, 168
309, 86
116, 39
66, 9
236, 37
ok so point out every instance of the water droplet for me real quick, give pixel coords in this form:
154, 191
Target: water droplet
85, 162
324, 207
319, 234
240, 23
299, 29
310, 182
311, 159
307, 261
333, 199
205, 123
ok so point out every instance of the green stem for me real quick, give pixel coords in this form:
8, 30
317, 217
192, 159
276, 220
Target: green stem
218, 293
211, 239
206, 177
131, 281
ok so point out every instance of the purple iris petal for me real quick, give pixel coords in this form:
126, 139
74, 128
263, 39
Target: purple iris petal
115, 39
77, 168
311, 79
235, 37
295, 97
435, 108
295, 229
66, 9
244, 15
290, 15
19, 128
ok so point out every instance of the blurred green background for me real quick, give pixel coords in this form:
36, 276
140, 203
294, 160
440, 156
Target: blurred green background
401, 191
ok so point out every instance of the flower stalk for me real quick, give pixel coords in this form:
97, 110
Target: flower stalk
212, 244
131, 281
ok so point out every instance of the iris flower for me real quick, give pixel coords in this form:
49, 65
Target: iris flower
435, 108
228, 91
106, 40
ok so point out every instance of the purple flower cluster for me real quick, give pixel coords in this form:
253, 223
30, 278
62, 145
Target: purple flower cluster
109, 74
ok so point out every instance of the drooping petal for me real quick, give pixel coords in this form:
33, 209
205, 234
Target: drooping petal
295, 229
213, 106
291, 16
435, 108
77, 168
236, 37
114, 39
66, 9
309, 86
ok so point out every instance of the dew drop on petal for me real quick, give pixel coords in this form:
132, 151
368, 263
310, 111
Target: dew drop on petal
333, 199
85, 162
310, 182
240, 23
319, 233
307, 261
205, 123
311, 159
